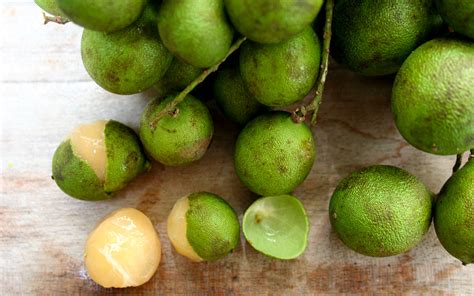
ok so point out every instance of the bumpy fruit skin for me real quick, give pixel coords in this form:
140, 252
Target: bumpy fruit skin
270, 21
177, 77
374, 37
273, 154
281, 74
454, 214
459, 14
129, 61
180, 138
433, 97
196, 31
213, 229
102, 15
380, 211
50, 6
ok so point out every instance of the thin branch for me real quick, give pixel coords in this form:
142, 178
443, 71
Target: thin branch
458, 163
54, 19
171, 107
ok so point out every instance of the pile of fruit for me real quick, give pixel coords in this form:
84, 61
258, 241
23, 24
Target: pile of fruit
265, 56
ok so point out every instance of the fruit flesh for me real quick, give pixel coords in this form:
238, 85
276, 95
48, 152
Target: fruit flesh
123, 250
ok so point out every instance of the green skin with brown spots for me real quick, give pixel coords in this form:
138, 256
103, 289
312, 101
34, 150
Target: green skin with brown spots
102, 15
454, 214
380, 211
125, 161
129, 61
374, 37
213, 229
179, 138
50, 6
273, 154
433, 97
177, 77
196, 31
270, 21
459, 14
281, 74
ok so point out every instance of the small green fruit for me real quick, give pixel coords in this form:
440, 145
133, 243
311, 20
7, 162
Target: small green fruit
178, 138
273, 154
459, 14
177, 77
50, 6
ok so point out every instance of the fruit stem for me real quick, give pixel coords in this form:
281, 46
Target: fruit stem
458, 163
54, 19
171, 107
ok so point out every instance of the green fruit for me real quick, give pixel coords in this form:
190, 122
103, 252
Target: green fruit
178, 76
196, 31
374, 37
178, 138
233, 98
433, 97
454, 214
77, 173
273, 154
270, 21
380, 211
50, 6
102, 15
459, 14
277, 226
281, 74
129, 61
203, 227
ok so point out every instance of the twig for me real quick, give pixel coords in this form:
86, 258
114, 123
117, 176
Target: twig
54, 19
458, 163
171, 107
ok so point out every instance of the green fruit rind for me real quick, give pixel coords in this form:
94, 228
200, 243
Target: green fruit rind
273, 154
433, 97
213, 229
381, 211
177, 77
459, 14
277, 226
279, 75
454, 214
50, 6
269, 21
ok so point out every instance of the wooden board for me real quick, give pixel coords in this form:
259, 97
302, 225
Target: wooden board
45, 92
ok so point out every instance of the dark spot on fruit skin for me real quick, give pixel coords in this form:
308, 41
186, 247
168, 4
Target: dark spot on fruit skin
132, 160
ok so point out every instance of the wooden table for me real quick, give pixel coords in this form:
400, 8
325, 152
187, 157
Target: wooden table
45, 92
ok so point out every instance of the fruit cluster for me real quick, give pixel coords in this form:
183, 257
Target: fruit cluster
129, 46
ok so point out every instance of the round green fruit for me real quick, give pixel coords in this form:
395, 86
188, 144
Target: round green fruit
102, 15
459, 14
273, 154
50, 6
203, 227
196, 31
281, 74
433, 97
380, 211
270, 21
178, 138
454, 214
374, 37
97, 160
177, 77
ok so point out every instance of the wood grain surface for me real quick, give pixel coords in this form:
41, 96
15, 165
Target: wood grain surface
45, 92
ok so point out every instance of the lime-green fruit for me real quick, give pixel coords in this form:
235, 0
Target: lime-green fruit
277, 226
454, 214
233, 98
50, 6
97, 160
273, 154
203, 227
102, 15
177, 77
374, 37
196, 31
129, 61
270, 21
433, 97
281, 74
459, 14
178, 138
380, 211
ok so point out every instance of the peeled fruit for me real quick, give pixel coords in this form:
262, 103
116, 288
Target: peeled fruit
123, 250
380, 211
459, 14
97, 160
279, 75
273, 154
177, 77
50, 6
196, 31
178, 138
203, 227
270, 21
102, 15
